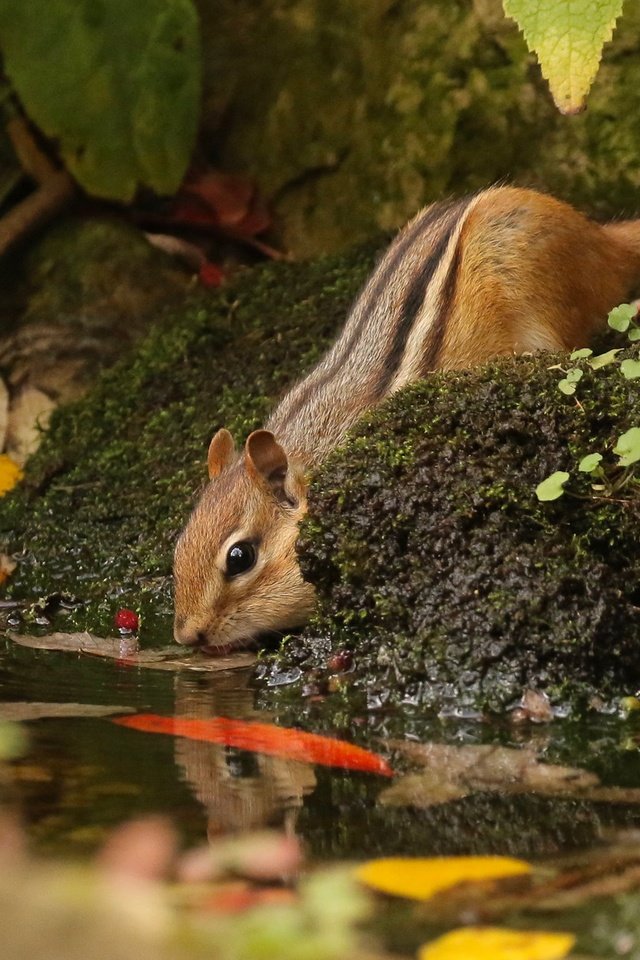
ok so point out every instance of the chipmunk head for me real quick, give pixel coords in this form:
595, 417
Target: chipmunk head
235, 569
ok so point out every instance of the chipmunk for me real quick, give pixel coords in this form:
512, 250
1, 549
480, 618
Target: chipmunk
505, 271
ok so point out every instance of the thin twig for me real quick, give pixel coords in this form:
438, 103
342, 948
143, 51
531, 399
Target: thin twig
54, 191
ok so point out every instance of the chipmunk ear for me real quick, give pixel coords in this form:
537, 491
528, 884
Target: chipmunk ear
266, 459
221, 451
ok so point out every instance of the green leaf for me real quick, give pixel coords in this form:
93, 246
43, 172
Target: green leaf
581, 354
634, 334
574, 374
552, 487
604, 359
565, 386
628, 447
567, 36
620, 317
116, 83
630, 369
589, 463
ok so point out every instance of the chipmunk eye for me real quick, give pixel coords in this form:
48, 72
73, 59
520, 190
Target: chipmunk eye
240, 557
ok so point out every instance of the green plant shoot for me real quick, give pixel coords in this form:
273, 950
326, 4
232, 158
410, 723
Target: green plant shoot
628, 447
552, 487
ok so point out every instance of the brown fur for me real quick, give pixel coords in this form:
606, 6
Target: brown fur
505, 272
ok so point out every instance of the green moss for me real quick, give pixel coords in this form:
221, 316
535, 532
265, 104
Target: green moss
115, 477
467, 588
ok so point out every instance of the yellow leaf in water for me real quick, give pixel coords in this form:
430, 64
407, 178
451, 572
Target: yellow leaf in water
491, 943
421, 878
10, 474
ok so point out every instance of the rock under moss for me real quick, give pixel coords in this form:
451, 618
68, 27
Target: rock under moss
436, 562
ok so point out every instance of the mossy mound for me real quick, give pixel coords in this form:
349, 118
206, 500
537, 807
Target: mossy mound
114, 479
435, 561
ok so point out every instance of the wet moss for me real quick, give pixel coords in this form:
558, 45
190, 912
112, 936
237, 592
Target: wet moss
115, 476
435, 561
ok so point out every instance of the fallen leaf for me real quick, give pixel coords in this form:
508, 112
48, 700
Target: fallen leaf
127, 652
488, 767
422, 790
189, 253
226, 200
420, 878
493, 943
264, 738
10, 474
23, 710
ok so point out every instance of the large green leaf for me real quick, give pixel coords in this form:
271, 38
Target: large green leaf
567, 36
115, 82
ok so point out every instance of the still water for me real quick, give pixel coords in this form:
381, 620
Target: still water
82, 775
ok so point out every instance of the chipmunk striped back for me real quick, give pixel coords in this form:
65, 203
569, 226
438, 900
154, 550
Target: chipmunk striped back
505, 271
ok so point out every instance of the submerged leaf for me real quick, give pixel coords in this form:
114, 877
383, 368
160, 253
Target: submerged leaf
24, 710
492, 943
567, 36
264, 738
420, 878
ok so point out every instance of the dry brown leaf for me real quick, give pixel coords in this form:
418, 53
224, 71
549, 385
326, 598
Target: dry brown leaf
23, 710
126, 650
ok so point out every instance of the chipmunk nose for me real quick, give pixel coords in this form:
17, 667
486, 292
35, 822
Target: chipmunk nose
189, 636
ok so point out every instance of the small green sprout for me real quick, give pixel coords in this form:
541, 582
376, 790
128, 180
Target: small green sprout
590, 463
630, 368
568, 384
621, 317
628, 447
552, 487
581, 354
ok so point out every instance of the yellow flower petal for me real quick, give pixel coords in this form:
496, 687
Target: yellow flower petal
421, 878
10, 474
492, 943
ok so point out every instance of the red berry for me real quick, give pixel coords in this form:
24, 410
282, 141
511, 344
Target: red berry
341, 661
210, 274
126, 620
